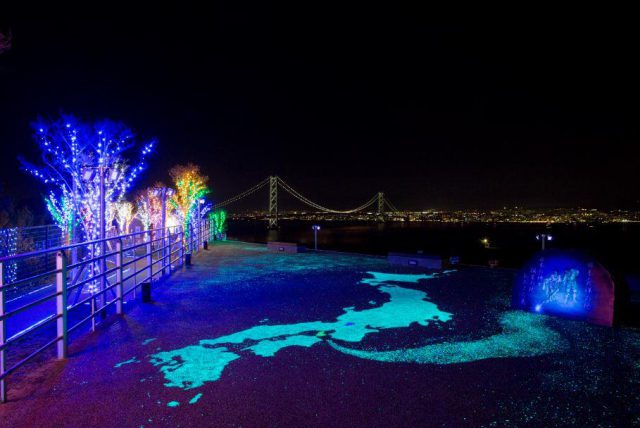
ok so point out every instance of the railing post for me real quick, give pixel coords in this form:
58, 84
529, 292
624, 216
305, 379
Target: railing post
119, 276
163, 251
3, 337
93, 313
149, 256
194, 238
61, 303
190, 248
135, 265
181, 247
169, 253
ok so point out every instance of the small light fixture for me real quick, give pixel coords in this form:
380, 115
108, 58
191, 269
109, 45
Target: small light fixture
114, 173
88, 174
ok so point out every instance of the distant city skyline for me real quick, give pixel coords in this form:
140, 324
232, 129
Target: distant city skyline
505, 215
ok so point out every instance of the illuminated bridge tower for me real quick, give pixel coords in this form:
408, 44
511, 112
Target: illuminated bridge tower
380, 203
273, 202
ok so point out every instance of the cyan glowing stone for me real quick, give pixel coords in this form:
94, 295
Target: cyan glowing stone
524, 335
268, 348
192, 366
382, 277
405, 307
129, 361
195, 399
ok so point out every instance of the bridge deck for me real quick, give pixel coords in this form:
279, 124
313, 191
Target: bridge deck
250, 337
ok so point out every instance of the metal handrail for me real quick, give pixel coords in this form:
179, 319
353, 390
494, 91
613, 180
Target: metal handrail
171, 242
93, 258
27, 358
78, 244
16, 337
6, 315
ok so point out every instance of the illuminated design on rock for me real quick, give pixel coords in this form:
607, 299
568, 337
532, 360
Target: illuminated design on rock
565, 283
523, 335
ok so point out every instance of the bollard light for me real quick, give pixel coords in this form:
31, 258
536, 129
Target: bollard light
543, 238
315, 228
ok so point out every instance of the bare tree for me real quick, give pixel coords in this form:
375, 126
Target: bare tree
5, 42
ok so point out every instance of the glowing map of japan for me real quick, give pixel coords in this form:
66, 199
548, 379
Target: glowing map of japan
523, 335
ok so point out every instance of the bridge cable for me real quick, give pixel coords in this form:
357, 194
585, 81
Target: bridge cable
391, 206
242, 195
312, 204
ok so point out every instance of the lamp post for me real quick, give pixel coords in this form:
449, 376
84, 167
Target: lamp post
543, 238
315, 228
163, 193
89, 175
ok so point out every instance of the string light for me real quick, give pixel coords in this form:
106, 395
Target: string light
123, 214
69, 146
218, 219
191, 186
9, 247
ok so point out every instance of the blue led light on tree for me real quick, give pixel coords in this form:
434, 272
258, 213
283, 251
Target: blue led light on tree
70, 147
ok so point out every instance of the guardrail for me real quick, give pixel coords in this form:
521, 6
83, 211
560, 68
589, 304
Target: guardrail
102, 274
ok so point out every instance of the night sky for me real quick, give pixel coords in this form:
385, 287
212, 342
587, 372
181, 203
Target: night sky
526, 111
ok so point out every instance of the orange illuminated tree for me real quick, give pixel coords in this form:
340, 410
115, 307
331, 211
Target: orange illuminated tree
149, 207
190, 186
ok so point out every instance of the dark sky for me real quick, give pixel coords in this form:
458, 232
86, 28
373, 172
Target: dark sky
342, 103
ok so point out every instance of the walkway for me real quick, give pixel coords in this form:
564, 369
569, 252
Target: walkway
247, 337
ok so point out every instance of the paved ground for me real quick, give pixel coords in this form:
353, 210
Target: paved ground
251, 338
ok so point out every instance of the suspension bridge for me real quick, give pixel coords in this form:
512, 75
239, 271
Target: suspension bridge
378, 200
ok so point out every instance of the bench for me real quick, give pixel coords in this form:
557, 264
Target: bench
286, 247
421, 260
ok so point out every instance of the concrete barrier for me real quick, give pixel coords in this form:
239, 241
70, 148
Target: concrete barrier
421, 260
286, 247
